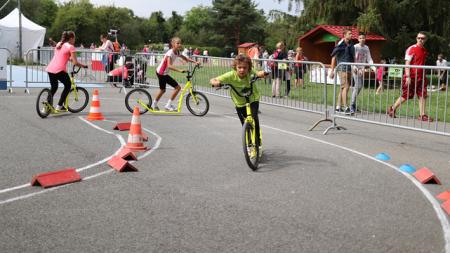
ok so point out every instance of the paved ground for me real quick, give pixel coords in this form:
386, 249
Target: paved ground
194, 192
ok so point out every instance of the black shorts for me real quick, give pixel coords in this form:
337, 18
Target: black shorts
164, 79
299, 72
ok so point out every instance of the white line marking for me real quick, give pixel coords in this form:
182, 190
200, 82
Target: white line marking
14, 188
436, 206
157, 143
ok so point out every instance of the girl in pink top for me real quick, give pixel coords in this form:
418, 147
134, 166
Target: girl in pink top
162, 72
57, 70
380, 74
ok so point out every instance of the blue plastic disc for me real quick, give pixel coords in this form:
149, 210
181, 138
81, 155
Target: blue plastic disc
407, 168
383, 157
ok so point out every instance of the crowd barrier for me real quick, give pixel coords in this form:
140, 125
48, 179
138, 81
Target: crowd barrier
5, 71
295, 85
99, 63
373, 101
304, 85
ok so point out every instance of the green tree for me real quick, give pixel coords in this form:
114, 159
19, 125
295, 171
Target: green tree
42, 12
237, 20
123, 19
46, 13
76, 16
198, 29
155, 28
397, 21
174, 24
283, 27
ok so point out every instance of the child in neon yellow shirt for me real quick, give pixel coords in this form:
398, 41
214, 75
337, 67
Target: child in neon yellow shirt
240, 78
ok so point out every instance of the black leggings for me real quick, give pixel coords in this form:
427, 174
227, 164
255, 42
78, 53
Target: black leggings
64, 78
242, 113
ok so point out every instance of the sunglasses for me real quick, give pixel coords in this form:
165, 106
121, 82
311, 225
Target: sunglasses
421, 38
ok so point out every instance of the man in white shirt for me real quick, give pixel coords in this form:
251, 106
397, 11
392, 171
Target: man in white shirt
442, 74
362, 55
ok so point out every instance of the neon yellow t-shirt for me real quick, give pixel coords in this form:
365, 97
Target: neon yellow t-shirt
239, 84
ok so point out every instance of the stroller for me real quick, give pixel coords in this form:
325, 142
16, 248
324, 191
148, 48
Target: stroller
115, 76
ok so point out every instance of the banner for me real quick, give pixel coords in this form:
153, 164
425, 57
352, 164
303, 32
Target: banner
317, 75
3, 65
395, 72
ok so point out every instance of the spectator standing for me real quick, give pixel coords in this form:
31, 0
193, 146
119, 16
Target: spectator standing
362, 55
145, 49
185, 52
442, 74
344, 51
196, 53
413, 78
381, 72
51, 42
205, 54
107, 59
289, 71
299, 68
92, 46
278, 69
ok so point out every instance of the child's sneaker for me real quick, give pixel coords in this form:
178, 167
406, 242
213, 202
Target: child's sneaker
155, 108
347, 111
170, 108
60, 108
352, 109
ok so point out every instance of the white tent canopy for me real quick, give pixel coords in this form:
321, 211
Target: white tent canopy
33, 35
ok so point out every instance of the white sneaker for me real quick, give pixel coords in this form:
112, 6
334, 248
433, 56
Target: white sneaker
60, 108
170, 108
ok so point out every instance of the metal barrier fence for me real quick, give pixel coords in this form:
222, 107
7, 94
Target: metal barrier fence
296, 85
7, 54
99, 63
373, 93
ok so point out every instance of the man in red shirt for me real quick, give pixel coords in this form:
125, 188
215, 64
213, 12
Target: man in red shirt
414, 80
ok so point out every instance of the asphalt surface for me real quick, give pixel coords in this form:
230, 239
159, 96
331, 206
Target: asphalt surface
194, 192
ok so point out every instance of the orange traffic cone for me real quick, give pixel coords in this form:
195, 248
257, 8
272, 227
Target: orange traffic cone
135, 139
94, 112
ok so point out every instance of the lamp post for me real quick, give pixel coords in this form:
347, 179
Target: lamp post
20, 29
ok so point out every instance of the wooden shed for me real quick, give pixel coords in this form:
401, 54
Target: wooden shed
318, 43
245, 47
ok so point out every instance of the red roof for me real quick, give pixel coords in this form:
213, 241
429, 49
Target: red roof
248, 44
337, 31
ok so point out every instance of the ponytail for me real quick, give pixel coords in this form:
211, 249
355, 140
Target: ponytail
65, 37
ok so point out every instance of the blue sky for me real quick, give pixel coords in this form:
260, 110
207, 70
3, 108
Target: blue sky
144, 8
